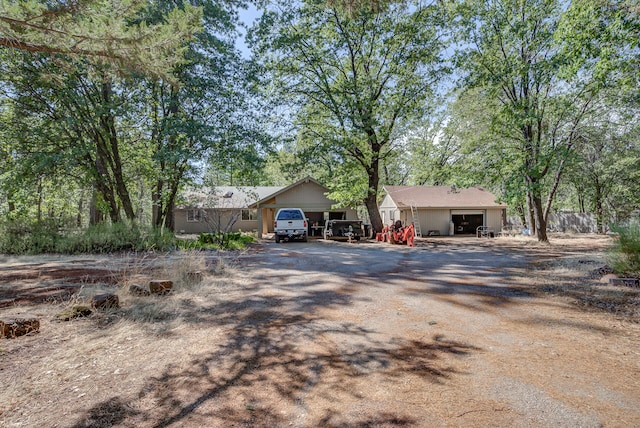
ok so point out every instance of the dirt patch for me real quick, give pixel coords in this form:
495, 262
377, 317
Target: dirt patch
454, 332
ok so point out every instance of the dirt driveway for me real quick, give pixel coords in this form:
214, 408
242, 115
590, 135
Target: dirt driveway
325, 334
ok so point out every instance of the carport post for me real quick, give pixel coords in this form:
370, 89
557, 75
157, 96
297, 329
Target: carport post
260, 227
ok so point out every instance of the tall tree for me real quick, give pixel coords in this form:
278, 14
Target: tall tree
512, 50
67, 118
357, 80
116, 130
206, 120
605, 173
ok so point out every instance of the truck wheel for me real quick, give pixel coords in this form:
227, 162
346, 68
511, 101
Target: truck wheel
277, 239
304, 238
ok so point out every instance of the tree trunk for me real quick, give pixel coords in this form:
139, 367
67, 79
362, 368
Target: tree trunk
112, 152
554, 189
168, 220
95, 215
121, 187
521, 210
103, 182
157, 207
163, 203
599, 208
39, 210
80, 208
531, 221
371, 200
538, 215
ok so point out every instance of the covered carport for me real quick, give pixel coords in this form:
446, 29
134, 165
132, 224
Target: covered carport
307, 194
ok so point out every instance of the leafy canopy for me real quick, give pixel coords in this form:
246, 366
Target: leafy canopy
112, 31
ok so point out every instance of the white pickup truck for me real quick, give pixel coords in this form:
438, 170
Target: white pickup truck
290, 223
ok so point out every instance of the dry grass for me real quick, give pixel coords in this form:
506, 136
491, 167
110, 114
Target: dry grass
576, 277
44, 376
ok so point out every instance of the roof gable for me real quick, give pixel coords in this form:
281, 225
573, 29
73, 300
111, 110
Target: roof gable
288, 188
442, 197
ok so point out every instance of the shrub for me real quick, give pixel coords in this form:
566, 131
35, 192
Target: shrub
110, 238
26, 238
218, 241
625, 254
20, 238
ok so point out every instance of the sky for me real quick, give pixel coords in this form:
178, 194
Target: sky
248, 17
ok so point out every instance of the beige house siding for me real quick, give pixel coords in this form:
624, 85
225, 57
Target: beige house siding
389, 212
308, 196
495, 219
438, 207
437, 219
182, 225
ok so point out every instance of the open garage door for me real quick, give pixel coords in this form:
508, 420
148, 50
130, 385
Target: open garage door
467, 223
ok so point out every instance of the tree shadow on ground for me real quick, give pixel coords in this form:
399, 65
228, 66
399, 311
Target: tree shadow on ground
280, 353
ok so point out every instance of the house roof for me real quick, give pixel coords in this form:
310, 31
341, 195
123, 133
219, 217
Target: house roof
282, 190
230, 197
442, 197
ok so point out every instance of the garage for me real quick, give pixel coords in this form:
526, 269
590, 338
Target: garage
444, 210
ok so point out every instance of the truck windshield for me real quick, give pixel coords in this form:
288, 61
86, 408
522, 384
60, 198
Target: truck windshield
290, 215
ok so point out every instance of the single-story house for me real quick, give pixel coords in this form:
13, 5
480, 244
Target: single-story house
253, 208
443, 210
224, 208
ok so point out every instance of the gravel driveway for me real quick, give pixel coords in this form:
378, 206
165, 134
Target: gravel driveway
452, 333
449, 335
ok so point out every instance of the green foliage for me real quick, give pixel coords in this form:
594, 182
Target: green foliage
106, 31
513, 51
355, 79
625, 254
603, 36
123, 142
19, 238
48, 237
218, 241
604, 176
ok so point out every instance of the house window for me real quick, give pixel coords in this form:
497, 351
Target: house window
392, 215
194, 215
249, 214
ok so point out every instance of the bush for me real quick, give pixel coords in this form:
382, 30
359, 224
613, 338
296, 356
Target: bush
119, 237
21, 238
625, 254
18, 238
218, 241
